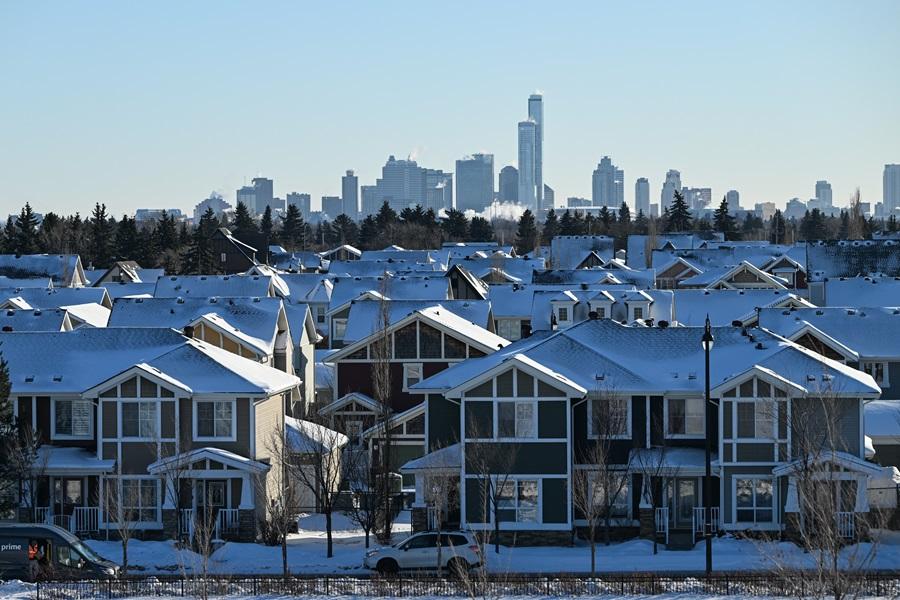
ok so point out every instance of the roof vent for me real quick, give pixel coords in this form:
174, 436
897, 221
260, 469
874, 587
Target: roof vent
692, 375
810, 377
57, 378
592, 315
29, 379
256, 299
851, 312
171, 311
737, 323
820, 313
203, 278
213, 300
179, 300
759, 346
10, 312
138, 300
7, 328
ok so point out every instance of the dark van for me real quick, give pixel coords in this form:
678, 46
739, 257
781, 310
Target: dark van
32, 551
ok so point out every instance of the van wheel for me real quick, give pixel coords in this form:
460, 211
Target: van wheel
387, 566
457, 567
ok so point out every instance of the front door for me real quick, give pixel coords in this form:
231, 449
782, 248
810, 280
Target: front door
68, 493
683, 497
211, 496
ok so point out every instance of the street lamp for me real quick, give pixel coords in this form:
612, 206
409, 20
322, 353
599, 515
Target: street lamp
707, 342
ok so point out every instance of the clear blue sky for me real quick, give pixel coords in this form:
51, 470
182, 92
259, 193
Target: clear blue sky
155, 104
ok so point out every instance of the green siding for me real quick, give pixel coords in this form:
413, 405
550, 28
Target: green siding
552, 419
443, 422
514, 458
474, 501
479, 418
762, 452
555, 503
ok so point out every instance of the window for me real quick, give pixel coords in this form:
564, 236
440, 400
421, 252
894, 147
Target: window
562, 313
754, 500
139, 500
686, 417
510, 329
215, 419
72, 418
638, 313
601, 312
139, 419
878, 371
320, 314
618, 491
405, 342
756, 419
412, 374
428, 540
516, 420
339, 328
518, 501
610, 417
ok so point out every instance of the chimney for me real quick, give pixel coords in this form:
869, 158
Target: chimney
189, 331
662, 324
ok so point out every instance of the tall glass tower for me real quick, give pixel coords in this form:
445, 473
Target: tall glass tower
536, 114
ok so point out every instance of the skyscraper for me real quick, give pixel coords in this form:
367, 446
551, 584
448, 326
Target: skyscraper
672, 183
734, 200
247, 196
527, 149
697, 198
350, 194
438, 189
301, 201
607, 185
642, 196
263, 190
823, 193
332, 206
508, 184
370, 202
549, 197
536, 114
475, 182
402, 184
891, 185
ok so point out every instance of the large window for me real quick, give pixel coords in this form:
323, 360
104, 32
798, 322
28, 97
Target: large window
615, 487
878, 371
756, 419
610, 417
339, 328
140, 500
516, 419
72, 418
510, 329
753, 497
686, 417
518, 500
139, 419
215, 419
412, 374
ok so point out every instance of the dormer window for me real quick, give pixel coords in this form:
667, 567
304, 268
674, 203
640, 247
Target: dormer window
638, 313
562, 313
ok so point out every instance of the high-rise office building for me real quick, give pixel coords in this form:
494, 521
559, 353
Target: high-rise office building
508, 184
536, 114
215, 202
607, 185
891, 190
697, 198
402, 184
670, 185
527, 149
301, 201
438, 189
734, 200
263, 190
549, 197
247, 196
332, 206
475, 182
370, 202
642, 196
350, 194
823, 193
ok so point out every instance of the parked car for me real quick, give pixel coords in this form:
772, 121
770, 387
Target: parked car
459, 553
32, 551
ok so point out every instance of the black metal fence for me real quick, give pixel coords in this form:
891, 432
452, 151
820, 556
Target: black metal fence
720, 584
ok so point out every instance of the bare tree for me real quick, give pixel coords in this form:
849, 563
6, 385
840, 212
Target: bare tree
441, 497
382, 351
282, 510
24, 465
362, 478
121, 501
653, 464
315, 464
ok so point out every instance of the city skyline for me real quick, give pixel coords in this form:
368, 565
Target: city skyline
123, 105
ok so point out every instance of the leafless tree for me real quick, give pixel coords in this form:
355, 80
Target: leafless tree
24, 467
441, 497
282, 509
120, 502
653, 464
382, 350
362, 477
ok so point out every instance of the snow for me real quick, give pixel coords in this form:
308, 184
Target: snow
883, 419
51, 459
89, 313
308, 437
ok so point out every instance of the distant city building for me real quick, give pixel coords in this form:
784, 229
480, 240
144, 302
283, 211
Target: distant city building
350, 194
794, 209
216, 203
438, 189
508, 184
734, 200
404, 184
764, 210
536, 114
891, 190
642, 196
143, 215
332, 206
654, 210
301, 201
671, 184
370, 203
576, 202
823, 193
264, 194
607, 184
246, 196
527, 157
475, 182
697, 199
549, 197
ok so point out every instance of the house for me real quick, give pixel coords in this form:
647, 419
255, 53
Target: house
304, 338
861, 291
464, 285
530, 407
53, 298
223, 286
124, 271
313, 446
234, 256
640, 247
580, 251
172, 426
313, 290
725, 306
34, 319
36, 270
501, 268
343, 252
849, 258
733, 277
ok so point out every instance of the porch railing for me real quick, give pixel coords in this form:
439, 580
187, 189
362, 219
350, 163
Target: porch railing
431, 518
227, 521
186, 522
846, 524
42, 515
698, 528
662, 522
64, 521
85, 519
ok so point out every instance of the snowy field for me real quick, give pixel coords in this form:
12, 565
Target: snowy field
306, 554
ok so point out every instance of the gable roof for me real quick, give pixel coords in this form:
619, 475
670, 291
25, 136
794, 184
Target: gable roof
365, 315
63, 269
35, 319
56, 297
186, 459
862, 291
852, 258
724, 306
206, 286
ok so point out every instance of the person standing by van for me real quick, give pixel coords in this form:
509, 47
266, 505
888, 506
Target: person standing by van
36, 555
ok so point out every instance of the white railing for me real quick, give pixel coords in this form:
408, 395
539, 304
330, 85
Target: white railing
662, 522
42, 514
186, 522
85, 519
700, 521
846, 524
431, 519
227, 521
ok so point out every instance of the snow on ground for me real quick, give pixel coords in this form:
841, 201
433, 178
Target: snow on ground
306, 554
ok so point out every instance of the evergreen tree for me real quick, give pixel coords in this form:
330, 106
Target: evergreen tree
101, 237
678, 215
812, 226
605, 219
567, 225
200, 258
480, 230
345, 230
455, 226
127, 239
368, 233
844, 231
9, 236
26, 238
291, 228
266, 227
640, 223
184, 236
243, 223
526, 233
550, 229
386, 217
165, 235
624, 214
777, 230
723, 220
51, 234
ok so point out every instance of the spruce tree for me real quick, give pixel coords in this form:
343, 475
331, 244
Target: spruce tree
165, 235
344, 230
480, 230
368, 233
9, 236
526, 233
127, 239
200, 258
550, 229
291, 228
101, 237
243, 223
26, 241
723, 220
567, 225
777, 230
386, 217
266, 227
455, 226
624, 214
678, 215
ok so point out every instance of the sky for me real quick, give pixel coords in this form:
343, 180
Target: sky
156, 104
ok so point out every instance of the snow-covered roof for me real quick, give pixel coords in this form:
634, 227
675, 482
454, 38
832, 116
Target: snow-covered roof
206, 286
395, 288
308, 287
365, 315
638, 244
871, 332
844, 459
300, 319
632, 278
447, 458
35, 319
89, 313
345, 247
520, 268
56, 297
669, 460
862, 291
120, 289
278, 284
718, 275
63, 269
347, 399
852, 258
419, 256
662, 360
306, 437
569, 251
883, 420
184, 461
54, 460
725, 306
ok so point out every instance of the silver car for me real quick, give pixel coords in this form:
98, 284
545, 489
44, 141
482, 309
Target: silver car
459, 553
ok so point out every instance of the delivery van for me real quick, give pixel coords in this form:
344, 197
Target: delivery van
34, 551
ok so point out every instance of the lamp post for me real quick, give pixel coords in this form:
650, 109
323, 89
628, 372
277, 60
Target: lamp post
707, 343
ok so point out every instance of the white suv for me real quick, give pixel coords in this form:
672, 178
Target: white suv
459, 553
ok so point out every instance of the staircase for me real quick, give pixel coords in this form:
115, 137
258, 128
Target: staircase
680, 539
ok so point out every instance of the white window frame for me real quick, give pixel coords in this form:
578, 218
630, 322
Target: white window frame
539, 508
516, 402
156, 425
68, 436
760, 418
591, 421
635, 309
869, 366
774, 508
685, 435
514, 324
407, 367
335, 324
196, 410
158, 519
622, 499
